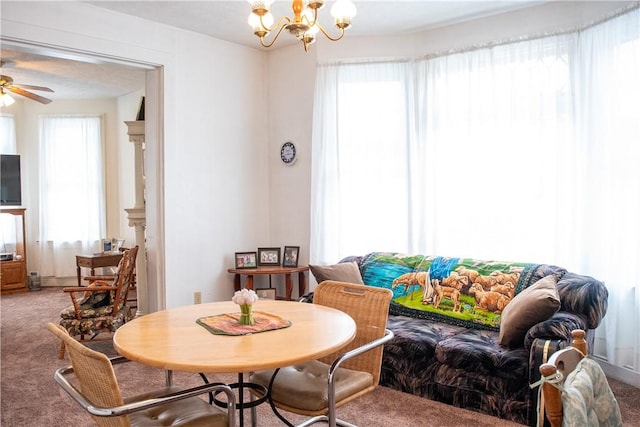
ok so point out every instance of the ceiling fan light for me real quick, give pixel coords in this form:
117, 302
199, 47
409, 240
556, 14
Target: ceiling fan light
6, 99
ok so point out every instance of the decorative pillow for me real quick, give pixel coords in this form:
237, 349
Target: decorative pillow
533, 305
341, 272
460, 291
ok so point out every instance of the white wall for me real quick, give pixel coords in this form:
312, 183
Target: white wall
208, 185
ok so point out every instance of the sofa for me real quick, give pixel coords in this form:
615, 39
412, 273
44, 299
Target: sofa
473, 333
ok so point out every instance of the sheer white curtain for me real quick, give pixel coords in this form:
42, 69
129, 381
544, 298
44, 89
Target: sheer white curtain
496, 127
523, 151
606, 83
72, 191
8, 143
362, 140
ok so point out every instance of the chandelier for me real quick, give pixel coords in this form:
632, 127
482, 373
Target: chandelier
304, 24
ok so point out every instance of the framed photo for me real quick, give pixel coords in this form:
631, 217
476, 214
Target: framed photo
268, 256
266, 293
290, 257
119, 243
246, 260
106, 245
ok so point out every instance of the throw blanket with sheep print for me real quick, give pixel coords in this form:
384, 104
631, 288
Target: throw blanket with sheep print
459, 291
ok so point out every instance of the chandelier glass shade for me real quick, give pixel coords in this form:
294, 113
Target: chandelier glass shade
303, 25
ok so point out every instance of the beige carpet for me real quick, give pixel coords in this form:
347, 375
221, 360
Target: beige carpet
30, 397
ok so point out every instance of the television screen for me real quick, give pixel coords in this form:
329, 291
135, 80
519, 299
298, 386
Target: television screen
10, 191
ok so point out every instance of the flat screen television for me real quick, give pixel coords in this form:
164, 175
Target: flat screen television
10, 189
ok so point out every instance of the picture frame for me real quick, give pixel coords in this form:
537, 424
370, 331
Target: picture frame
106, 245
266, 293
118, 244
246, 260
268, 256
290, 256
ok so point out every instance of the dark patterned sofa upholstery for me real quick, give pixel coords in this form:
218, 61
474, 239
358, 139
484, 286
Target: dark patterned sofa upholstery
462, 363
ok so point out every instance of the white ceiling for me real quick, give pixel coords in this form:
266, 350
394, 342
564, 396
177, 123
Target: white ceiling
227, 20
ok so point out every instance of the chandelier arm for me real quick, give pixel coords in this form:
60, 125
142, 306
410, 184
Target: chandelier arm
284, 20
327, 35
305, 19
274, 38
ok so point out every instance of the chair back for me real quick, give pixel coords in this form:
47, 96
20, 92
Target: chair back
96, 378
125, 276
369, 308
562, 361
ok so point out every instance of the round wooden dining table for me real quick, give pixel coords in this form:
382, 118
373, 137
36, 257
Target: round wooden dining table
173, 340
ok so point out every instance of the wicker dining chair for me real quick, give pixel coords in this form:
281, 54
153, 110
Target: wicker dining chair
101, 307
98, 392
318, 387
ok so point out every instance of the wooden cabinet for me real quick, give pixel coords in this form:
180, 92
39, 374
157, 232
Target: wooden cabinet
13, 268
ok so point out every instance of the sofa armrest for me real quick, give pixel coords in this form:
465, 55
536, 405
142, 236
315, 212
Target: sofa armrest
558, 327
585, 296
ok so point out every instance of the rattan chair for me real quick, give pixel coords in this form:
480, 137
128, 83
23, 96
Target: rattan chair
101, 307
318, 387
99, 394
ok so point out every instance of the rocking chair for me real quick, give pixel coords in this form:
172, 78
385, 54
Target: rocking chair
100, 307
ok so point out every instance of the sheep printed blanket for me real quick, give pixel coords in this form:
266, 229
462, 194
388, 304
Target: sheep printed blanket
459, 291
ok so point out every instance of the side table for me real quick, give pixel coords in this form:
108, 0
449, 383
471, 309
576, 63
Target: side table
269, 270
93, 261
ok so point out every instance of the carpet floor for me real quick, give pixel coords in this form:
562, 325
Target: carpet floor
30, 397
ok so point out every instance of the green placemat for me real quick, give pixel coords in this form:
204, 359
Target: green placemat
227, 324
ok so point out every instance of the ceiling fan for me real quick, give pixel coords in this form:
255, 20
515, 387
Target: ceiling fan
6, 84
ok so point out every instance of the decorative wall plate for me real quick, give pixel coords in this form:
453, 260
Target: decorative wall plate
288, 153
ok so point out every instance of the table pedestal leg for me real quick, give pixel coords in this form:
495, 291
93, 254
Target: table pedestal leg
288, 285
237, 284
302, 285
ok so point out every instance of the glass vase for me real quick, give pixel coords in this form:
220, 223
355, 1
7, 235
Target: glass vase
246, 315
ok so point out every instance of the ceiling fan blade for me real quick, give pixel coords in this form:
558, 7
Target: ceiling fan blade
29, 95
42, 88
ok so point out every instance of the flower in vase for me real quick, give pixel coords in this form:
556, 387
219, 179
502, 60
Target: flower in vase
245, 299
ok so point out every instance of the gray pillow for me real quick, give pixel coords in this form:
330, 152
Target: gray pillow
341, 272
533, 305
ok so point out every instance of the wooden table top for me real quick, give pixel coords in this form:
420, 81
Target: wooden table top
171, 339
99, 255
268, 269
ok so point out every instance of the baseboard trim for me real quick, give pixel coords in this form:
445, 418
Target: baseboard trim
618, 373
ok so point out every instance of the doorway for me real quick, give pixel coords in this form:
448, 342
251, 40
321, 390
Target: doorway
81, 68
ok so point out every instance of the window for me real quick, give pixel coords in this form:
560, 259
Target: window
72, 200
525, 151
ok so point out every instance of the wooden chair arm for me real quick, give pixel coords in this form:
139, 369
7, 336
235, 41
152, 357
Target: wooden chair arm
95, 278
103, 288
